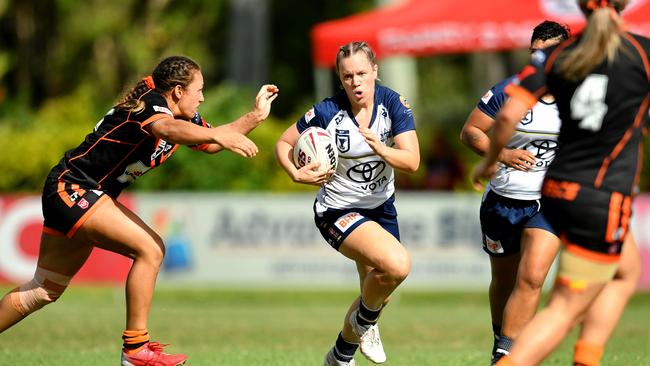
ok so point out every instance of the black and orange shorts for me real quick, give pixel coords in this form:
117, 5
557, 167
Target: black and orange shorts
592, 223
67, 206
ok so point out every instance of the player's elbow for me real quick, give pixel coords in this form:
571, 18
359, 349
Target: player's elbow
412, 165
464, 136
164, 130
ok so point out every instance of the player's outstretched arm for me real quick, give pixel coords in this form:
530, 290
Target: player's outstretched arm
247, 122
263, 101
181, 132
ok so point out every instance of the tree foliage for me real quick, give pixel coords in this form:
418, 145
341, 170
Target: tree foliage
63, 63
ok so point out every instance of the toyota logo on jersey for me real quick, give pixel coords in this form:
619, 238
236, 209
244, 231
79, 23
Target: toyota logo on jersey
366, 172
543, 149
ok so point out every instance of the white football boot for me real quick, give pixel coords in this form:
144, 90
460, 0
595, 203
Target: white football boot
330, 360
369, 340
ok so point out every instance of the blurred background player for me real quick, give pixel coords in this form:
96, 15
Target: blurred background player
519, 240
80, 206
375, 133
601, 81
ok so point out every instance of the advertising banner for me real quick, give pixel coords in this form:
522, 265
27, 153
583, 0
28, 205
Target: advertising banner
270, 240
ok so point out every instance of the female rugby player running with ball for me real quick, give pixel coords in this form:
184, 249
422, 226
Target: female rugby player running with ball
374, 132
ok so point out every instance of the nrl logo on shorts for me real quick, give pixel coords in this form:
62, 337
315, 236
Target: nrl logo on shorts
343, 140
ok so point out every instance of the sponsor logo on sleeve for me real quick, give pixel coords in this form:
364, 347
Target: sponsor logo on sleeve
405, 102
160, 109
310, 115
487, 96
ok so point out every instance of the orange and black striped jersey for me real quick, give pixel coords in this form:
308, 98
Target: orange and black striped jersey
119, 149
604, 115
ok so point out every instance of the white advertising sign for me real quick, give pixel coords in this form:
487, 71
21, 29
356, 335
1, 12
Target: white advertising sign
270, 240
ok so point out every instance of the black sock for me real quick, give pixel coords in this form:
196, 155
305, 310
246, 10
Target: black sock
344, 350
505, 343
367, 316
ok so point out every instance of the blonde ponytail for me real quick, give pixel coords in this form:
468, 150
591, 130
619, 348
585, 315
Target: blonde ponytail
600, 40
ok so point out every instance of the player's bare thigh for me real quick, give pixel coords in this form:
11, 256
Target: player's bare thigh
369, 244
62, 255
116, 228
538, 250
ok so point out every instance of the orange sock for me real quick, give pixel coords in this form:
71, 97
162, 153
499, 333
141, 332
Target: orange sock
587, 354
506, 361
134, 339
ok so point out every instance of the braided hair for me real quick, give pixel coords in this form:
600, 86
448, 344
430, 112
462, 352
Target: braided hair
172, 71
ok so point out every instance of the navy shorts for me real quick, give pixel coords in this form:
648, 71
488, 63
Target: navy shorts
67, 206
336, 225
503, 220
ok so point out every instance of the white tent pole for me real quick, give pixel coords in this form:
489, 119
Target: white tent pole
399, 72
322, 82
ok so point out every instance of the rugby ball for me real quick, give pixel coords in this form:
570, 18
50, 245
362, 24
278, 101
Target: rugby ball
315, 144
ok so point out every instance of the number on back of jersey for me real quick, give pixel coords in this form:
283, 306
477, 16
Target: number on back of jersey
588, 102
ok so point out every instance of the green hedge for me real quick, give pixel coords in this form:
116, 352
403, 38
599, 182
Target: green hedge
35, 142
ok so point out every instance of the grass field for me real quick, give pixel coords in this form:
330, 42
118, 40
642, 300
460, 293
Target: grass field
228, 327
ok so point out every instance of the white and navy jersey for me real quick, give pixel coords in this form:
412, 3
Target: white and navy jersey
537, 132
362, 178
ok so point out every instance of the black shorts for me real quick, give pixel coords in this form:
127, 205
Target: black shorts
67, 206
592, 223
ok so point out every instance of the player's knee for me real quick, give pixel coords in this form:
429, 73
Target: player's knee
160, 249
629, 273
46, 287
154, 252
399, 267
530, 282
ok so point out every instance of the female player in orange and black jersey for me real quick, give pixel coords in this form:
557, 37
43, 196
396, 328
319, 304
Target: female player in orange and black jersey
601, 81
79, 198
119, 150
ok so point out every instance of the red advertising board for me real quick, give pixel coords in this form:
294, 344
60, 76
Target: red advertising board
21, 222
